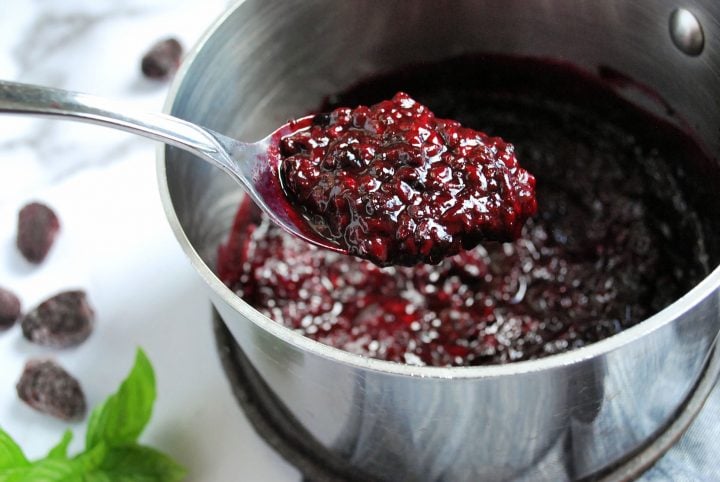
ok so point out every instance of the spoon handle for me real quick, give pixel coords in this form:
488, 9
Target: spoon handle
49, 102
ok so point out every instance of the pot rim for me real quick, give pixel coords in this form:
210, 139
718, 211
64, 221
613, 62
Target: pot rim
665, 317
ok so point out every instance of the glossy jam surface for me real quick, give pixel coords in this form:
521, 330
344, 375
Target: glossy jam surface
394, 184
616, 237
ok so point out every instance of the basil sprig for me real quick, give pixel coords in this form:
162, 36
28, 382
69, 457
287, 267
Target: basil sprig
112, 452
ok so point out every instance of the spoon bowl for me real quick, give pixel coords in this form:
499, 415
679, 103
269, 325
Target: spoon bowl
252, 164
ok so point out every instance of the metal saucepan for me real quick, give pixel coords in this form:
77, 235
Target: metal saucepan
562, 417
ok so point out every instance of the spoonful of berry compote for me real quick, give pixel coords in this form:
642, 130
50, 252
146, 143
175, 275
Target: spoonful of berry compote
396, 185
390, 183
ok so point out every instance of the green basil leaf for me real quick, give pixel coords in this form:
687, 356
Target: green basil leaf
15, 474
60, 450
90, 460
11, 455
51, 470
66, 470
139, 463
97, 476
111, 454
123, 416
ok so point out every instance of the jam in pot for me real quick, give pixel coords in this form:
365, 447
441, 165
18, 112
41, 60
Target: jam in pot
616, 237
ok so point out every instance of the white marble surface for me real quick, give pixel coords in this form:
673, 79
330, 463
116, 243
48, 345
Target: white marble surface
114, 240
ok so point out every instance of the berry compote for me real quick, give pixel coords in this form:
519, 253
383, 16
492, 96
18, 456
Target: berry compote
623, 229
394, 184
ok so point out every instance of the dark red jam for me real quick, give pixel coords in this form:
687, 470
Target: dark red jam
394, 184
623, 230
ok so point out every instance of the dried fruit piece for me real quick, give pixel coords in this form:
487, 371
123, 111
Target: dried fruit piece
38, 226
9, 308
64, 320
48, 388
162, 60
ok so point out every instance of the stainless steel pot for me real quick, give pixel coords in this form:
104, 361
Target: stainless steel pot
563, 417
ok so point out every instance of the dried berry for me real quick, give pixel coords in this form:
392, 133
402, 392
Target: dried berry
64, 320
38, 226
9, 308
48, 388
162, 60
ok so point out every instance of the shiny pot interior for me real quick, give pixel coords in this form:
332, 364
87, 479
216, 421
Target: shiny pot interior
564, 417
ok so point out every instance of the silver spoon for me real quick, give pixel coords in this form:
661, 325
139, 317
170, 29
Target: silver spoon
254, 165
